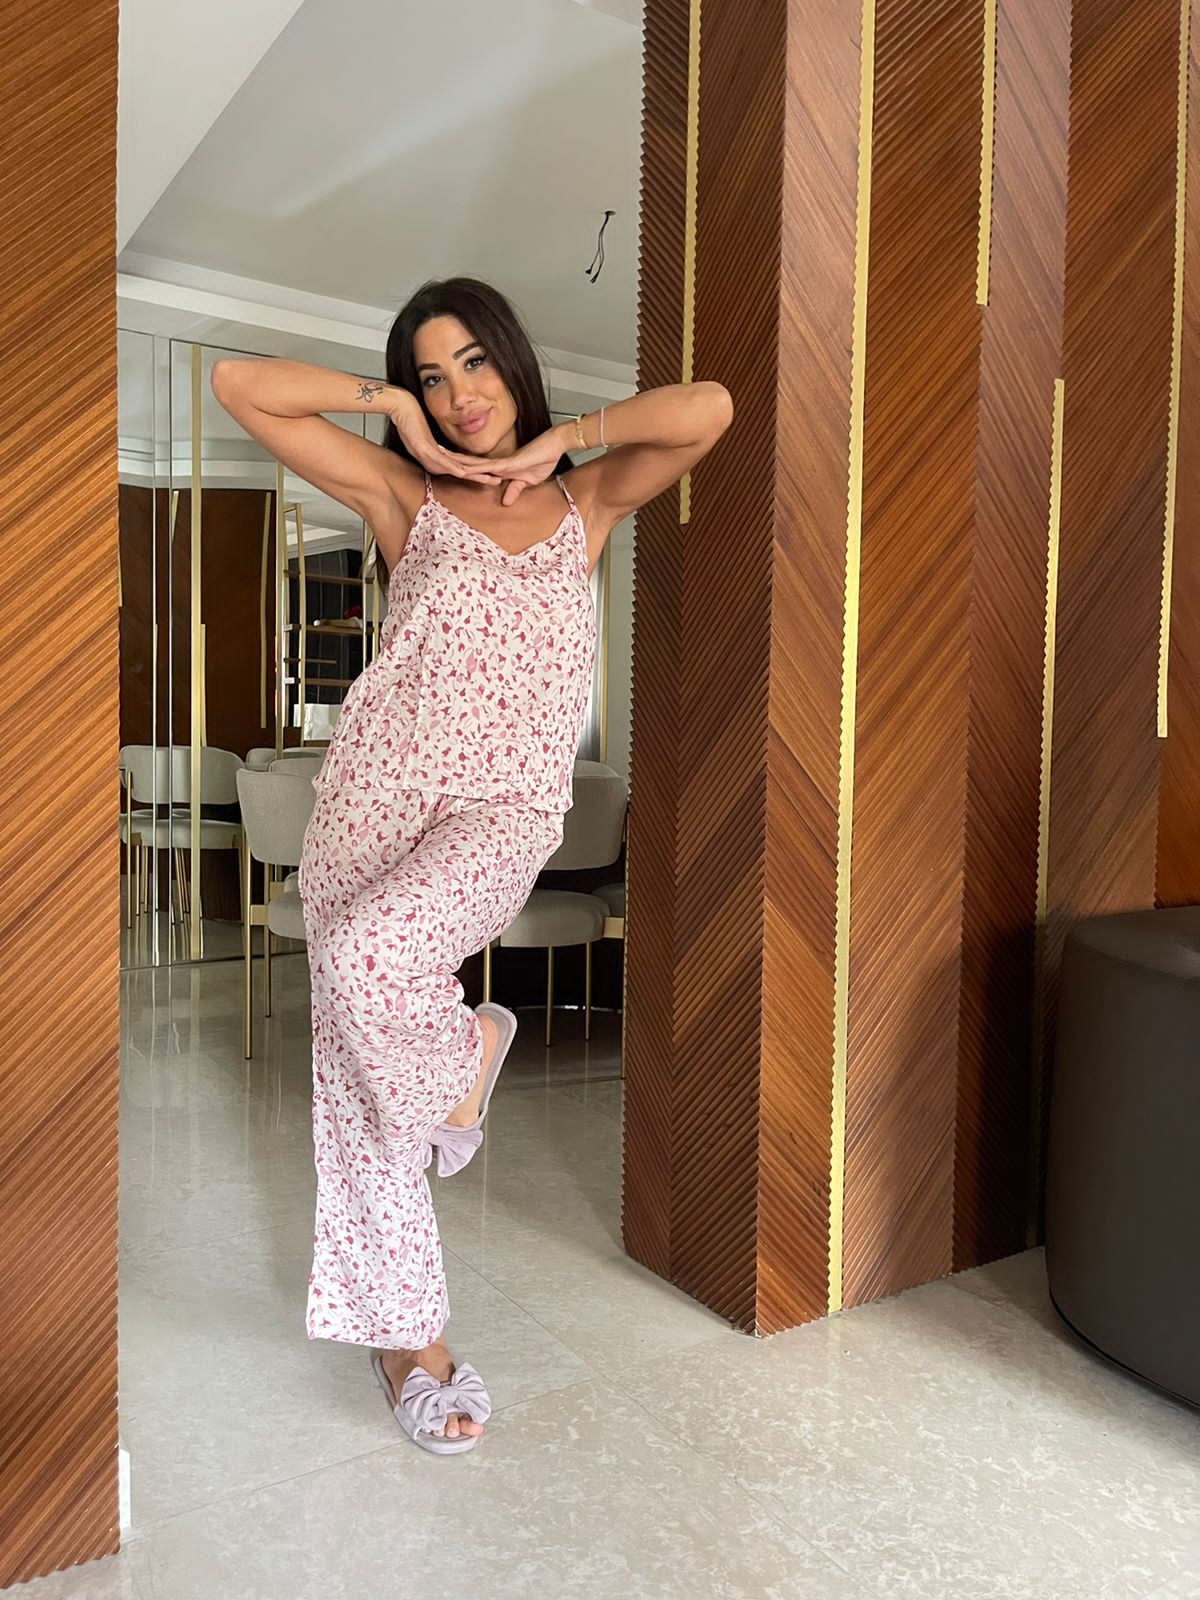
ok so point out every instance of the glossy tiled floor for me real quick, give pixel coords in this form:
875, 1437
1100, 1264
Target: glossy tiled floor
952, 1444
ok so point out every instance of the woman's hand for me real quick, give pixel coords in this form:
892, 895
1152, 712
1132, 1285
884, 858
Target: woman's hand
417, 438
532, 464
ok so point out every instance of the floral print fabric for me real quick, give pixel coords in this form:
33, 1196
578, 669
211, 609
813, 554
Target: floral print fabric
398, 888
482, 680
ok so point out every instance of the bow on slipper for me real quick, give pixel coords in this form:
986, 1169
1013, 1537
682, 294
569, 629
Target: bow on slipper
454, 1146
430, 1404
425, 1405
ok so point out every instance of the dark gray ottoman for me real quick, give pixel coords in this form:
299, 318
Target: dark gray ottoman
1123, 1155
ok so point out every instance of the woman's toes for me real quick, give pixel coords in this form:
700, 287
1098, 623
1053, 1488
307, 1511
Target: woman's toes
471, 1428
452, 1428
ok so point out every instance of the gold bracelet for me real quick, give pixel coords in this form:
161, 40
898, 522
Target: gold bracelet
583, 444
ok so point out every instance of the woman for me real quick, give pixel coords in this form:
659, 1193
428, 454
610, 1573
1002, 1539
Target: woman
443, 790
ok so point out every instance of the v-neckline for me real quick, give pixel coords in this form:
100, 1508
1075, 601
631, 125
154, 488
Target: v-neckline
495, 543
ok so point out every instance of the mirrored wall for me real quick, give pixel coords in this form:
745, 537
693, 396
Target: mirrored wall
245, 618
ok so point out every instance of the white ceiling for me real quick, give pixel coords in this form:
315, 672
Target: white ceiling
162, 116
378, 143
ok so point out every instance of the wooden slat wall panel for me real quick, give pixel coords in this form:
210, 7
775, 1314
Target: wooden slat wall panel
739, 642
1179, 802
1020, 359
723, 712
650, 1026
58, 845
808, 583
1116, 367
918, 491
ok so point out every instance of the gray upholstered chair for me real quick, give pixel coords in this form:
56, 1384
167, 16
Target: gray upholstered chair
1122, 1178
303, 763
263, 756
276, 807
593, 830
162, 775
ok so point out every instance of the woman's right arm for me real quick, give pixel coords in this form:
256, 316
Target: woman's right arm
280, 403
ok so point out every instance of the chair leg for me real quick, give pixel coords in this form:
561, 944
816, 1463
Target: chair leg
549, 995
177, 895
587, 992
487, 972
266, 941
247, 952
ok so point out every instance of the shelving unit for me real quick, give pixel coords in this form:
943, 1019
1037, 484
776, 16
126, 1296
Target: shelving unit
314, 602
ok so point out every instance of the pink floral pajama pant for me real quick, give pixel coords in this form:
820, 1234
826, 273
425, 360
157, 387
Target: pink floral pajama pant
399, 888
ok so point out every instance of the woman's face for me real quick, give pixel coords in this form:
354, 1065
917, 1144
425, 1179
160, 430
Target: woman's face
463, 392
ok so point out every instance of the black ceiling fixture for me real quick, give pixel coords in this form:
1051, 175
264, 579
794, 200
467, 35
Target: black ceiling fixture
597, 266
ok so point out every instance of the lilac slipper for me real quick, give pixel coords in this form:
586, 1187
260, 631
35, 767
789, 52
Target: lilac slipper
456, 1146
425, 1404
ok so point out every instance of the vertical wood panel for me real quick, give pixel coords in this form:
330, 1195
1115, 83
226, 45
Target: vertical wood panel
723, 713
918, 491
1118, 299
808, 591
58, 844
1179, 798
1020, 359
650, 1028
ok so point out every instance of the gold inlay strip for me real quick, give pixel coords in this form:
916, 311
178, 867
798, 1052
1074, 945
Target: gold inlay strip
1181, 120
1043, 853
281, 611
854, 499
262, 612
689, 227
987, 153
605, 601
197, 656
301, 621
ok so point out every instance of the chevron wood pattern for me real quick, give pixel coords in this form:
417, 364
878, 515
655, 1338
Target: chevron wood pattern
1179, 801
58, 846
816, 311
1020, 358
741, 1122
723, 714
739, 625
918, 490
1118, 297
650, 1026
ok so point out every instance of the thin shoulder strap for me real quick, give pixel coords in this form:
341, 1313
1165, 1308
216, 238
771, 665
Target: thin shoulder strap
559, 481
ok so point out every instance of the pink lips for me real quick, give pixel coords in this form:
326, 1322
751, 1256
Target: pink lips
473, 424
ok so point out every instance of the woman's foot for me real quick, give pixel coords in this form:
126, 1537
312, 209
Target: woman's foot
467, 1114
438, 1362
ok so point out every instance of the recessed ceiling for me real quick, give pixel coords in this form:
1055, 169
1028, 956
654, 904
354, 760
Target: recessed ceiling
382, 142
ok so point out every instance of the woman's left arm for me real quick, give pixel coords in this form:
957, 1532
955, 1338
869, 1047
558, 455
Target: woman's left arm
654, 438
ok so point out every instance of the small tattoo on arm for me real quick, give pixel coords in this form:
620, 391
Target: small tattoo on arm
368, 390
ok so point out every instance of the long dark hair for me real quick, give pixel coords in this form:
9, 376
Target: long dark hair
491, 319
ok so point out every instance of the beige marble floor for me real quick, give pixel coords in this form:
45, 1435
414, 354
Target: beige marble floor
952, 1444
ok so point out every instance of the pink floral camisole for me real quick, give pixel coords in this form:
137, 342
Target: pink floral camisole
484, 670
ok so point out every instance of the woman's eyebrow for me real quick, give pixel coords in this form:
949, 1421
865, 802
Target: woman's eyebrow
432, 366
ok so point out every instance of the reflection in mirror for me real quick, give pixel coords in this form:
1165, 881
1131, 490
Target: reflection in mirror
142, 519
245, 618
